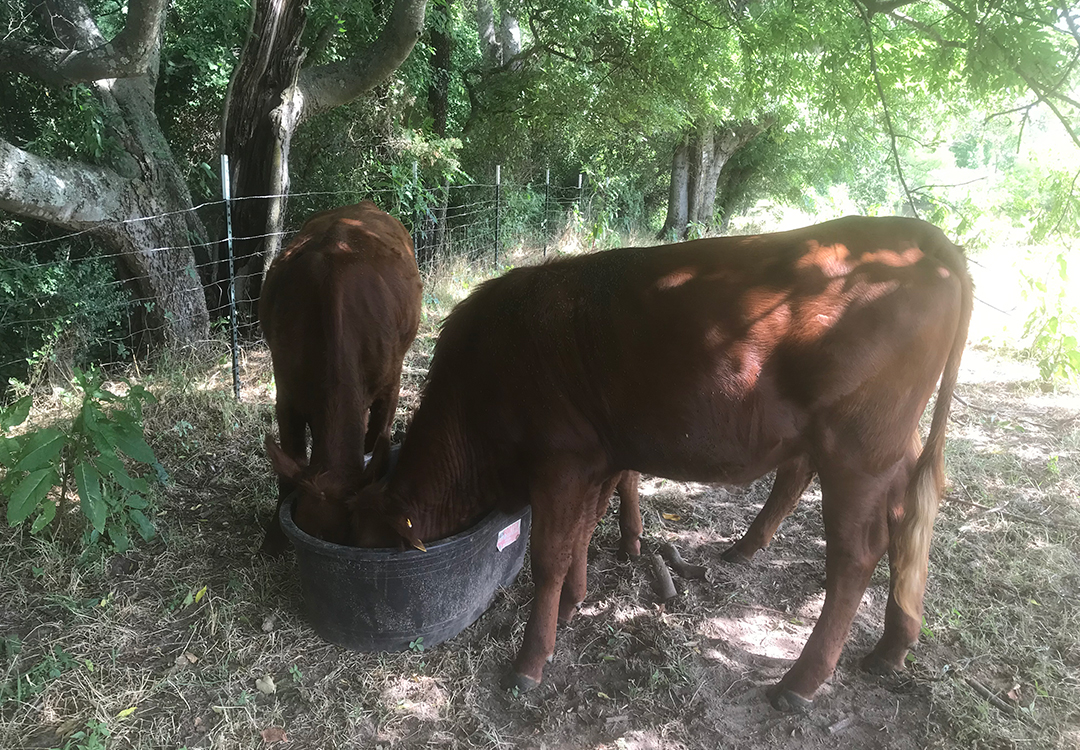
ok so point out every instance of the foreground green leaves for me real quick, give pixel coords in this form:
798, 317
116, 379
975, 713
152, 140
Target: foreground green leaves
43, 467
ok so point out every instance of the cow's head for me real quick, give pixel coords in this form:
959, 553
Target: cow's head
379, 522
319, 498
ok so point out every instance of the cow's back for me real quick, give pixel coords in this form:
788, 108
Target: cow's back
709, 359
340, 307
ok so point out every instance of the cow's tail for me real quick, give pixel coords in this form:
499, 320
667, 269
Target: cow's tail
912, 548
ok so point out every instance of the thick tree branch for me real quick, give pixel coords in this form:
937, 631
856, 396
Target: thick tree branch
1070, 22
930, 31
873, 8
66, 193
333, 84
132, 53
885, 106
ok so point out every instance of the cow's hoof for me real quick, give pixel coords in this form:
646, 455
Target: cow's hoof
876, 664
783, 699
734, 555
568, 615
521, 683
628, 552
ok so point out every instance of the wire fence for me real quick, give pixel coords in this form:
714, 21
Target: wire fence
66, 299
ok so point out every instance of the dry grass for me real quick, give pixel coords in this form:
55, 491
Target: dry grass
85, 639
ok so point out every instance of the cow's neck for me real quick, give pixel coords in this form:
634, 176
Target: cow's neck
440, 480
338, 443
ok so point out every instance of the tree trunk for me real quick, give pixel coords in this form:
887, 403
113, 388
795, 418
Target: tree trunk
731, 190
270, 95
438, 102
701, 157
707, 148
678, 193
256, 131
439, 91
138, 204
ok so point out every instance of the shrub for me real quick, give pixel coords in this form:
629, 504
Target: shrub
41, 465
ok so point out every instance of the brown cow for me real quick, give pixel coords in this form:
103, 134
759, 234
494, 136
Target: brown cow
715, 361
339, 308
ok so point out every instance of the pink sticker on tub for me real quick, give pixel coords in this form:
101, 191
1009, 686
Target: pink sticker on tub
509, 535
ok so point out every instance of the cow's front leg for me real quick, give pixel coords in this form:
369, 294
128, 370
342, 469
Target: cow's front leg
552, 555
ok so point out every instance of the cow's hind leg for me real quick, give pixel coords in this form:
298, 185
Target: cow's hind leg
901, 629
291, 426
856, 534
629, 515
574, 585
792, 479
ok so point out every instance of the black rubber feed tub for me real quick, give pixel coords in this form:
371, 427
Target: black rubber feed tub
384, 599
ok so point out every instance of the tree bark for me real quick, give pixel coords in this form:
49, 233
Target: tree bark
271, 94
731, 190
259, 118
138, 203
697, 164
678, 193
439, 104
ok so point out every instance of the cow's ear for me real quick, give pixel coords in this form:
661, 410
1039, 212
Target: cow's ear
403, 525
284, 465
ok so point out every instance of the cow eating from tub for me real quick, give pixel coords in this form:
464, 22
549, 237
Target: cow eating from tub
716, 360
339, 309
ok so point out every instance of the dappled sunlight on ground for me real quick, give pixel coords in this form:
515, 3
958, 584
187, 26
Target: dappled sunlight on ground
770, 634
416, 695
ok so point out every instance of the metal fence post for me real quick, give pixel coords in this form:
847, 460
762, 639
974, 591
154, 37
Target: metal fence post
226, 195
498, 180
547, 194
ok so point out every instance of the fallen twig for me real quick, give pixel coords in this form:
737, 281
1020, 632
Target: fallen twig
1016, 516
995, 701
969, 405
680, 566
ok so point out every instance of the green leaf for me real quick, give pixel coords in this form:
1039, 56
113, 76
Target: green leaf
30, 492
16, 414
119, 538
110, 465
1074, 360
41, 450
88, 482
134, 501
48, 513
9, 450
128, 437
142, 524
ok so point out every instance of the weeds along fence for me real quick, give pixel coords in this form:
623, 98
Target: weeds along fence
66, 302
